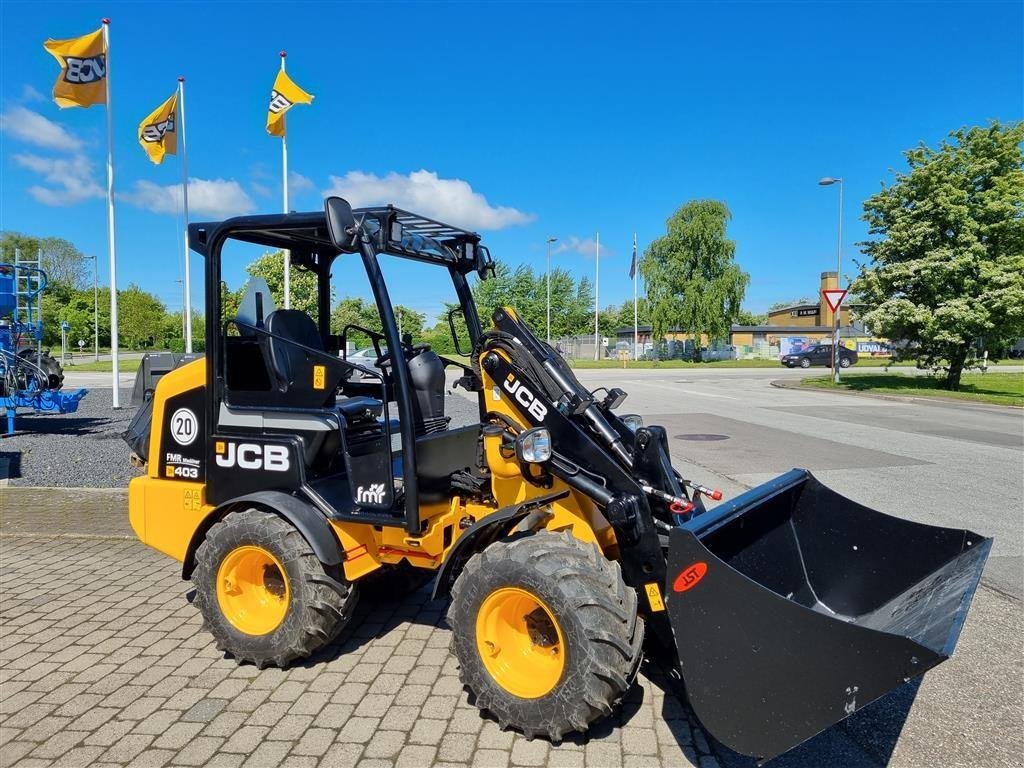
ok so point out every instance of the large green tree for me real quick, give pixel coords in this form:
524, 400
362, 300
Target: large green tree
946, 265
693, 283
60, 259
270, 266
140, 318
572, 302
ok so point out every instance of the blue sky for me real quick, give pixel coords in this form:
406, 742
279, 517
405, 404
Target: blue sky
519, 120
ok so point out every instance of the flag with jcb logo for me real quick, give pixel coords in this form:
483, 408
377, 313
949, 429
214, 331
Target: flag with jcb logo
286, 94
83, 63
158, 133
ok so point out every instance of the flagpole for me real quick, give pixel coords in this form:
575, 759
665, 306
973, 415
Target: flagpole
636, 327
187, 308
597, 293
284, 186
114, 356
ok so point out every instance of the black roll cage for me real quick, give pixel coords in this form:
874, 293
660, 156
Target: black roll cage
307, 237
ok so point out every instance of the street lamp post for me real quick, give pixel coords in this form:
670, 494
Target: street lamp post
551, 239
95, 310
825, 182
183, 302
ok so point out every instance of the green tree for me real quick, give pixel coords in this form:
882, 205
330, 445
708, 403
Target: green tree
693, 283
572, 303
60, 259
355, 310
947, 264
270, 266
746, 317
140, 318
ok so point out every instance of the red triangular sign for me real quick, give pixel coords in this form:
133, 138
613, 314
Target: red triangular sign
834, 297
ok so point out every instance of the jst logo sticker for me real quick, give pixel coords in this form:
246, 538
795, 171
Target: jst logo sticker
690, 576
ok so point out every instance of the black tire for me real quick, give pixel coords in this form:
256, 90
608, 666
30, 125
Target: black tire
319, 601
596, 613
805, 362
49, 365
844, 362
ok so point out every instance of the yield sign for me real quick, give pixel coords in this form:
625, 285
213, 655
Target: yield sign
834, 297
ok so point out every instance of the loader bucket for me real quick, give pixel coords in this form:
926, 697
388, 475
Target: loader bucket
793, 607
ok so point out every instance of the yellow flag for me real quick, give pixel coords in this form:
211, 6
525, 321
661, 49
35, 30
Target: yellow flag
285, 95
158, 133
83, 70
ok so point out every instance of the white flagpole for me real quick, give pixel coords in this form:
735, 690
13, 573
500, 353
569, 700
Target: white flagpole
187, 308
597, 293
284, 184
114, 357
636, 327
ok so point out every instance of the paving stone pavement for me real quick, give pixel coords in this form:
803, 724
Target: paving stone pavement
103, 662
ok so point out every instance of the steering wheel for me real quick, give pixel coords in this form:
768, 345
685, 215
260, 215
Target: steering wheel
409, 350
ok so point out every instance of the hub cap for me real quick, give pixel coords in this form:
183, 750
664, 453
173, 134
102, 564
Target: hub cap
520, 643
252, 590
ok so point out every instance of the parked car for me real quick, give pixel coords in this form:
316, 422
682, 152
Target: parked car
819, 354
364, 357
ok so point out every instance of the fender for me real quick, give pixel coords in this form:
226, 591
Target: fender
304, 516
482, 534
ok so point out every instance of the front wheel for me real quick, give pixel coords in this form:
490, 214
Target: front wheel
263, 593
805, 362
546, 633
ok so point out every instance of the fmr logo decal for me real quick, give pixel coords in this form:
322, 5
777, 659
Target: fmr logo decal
278, 103
690, 576
372, 495
273, 458
84, 71
525, 397
155, 131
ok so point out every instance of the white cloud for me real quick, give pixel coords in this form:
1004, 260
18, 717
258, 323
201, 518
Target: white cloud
584, 246
299, 183
219, 198
449, 200
72, 177
31, 127
28, 93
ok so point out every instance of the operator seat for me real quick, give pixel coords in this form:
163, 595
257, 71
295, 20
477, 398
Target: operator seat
292, 364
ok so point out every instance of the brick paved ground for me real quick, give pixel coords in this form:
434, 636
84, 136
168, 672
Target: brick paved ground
103, 662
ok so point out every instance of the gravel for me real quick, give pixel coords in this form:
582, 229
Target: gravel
85, 448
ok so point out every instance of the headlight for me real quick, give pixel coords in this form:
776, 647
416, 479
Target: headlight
632, 421
534, 445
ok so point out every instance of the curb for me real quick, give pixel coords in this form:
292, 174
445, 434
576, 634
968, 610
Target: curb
785, 384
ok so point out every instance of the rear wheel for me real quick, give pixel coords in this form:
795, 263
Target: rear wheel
264, 594
844, 362
48, 364
546, 633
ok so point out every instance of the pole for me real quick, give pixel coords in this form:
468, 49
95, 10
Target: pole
597, 293
95, 309
284, 186
187, 288
636, 326
839, 279
114, 356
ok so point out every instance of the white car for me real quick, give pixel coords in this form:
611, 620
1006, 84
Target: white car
367, 358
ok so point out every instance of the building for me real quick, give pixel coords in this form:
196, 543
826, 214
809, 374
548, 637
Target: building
791, 328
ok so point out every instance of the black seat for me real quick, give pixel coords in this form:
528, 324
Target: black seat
288, 359
353, 408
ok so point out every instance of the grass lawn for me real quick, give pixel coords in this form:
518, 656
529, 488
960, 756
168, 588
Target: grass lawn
995, 388
130, 365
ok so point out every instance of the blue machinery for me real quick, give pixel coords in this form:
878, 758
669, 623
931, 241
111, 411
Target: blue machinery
29, 377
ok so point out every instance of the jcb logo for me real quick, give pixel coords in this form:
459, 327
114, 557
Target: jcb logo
155, 132
525, 397
273, 458
85, 71
278, 103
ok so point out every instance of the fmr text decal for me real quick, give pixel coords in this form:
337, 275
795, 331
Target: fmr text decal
374, 494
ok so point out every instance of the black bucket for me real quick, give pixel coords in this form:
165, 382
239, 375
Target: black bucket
793, 607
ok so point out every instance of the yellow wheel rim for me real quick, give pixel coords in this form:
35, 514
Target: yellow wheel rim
520, 642
252, 590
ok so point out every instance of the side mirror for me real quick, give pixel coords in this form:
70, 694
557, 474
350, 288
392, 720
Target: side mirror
484, 263
341, 224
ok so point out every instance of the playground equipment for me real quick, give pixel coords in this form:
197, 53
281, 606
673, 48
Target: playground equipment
29, 375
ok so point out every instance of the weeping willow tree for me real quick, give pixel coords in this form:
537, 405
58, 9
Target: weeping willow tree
693, 283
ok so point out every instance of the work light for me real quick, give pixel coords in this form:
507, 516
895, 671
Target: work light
534, 445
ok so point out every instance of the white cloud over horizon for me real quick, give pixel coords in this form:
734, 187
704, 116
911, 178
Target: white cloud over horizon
33, 128
450, 200
299, 183
582, 246
72, 178
219, 198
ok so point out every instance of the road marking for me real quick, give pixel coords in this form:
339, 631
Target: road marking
681, 390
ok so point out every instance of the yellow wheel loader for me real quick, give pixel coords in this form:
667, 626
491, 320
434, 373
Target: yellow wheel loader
281, 474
